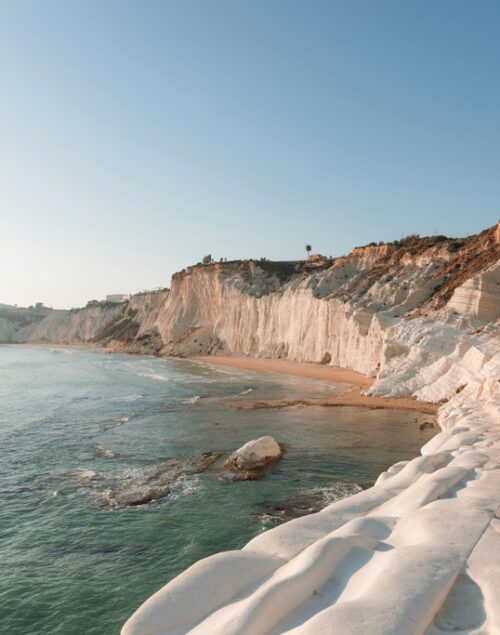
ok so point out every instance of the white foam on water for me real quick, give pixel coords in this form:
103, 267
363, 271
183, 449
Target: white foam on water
104, 452
154, 376
84, 474
185, 486
50, 495
337, 491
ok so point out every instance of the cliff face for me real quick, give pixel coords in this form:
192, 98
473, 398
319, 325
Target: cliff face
68, 327
341, 313
214, 310
14, 319
125, 326
351, 311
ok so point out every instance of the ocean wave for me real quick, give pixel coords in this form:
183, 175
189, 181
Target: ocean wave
154, 376
191, 400
128, 398
116, 423
337, 491
222, 371
185, 486
50, 495
83, 476
193, 379
77, 476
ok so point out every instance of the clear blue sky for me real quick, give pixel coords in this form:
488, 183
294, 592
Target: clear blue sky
135, 137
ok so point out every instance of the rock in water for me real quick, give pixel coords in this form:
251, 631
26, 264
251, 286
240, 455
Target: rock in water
252, 460
156, 483
280, 511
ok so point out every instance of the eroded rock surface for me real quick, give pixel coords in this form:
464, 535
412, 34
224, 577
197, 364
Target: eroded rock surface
155, 483
252, 461
280, 511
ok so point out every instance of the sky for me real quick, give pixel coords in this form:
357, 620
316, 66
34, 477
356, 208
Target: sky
137, 137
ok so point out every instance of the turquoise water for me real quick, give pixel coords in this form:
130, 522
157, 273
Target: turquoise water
74, 424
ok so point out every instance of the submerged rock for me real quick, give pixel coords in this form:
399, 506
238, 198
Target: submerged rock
277, 512
425, 425
155, 483
252, 460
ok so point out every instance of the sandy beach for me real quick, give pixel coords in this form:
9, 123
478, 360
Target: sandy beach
355, 383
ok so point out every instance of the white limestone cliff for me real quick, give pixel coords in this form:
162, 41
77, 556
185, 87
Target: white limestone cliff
68, 327
478, 296
114, 325
418, 553
340, 312
7, 330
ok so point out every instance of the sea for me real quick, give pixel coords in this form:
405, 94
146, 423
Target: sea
79, 426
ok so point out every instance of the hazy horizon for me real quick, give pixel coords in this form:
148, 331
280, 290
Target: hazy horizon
138, 138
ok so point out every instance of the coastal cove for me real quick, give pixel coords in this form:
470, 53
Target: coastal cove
420, 316
77, 423
250, 318
355, 384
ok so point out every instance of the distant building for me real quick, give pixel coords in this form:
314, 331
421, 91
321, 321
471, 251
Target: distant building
118, 297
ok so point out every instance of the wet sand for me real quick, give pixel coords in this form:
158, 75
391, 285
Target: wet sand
355, 382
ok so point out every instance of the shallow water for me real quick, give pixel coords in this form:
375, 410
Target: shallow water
74, 424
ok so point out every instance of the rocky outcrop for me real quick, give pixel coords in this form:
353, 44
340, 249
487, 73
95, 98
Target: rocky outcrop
128, 325
7, 330
252, 461
14, 319
76, 326
155, 483
477, 297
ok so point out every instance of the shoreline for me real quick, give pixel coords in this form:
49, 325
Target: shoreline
86, 346
353, 396
354, 381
